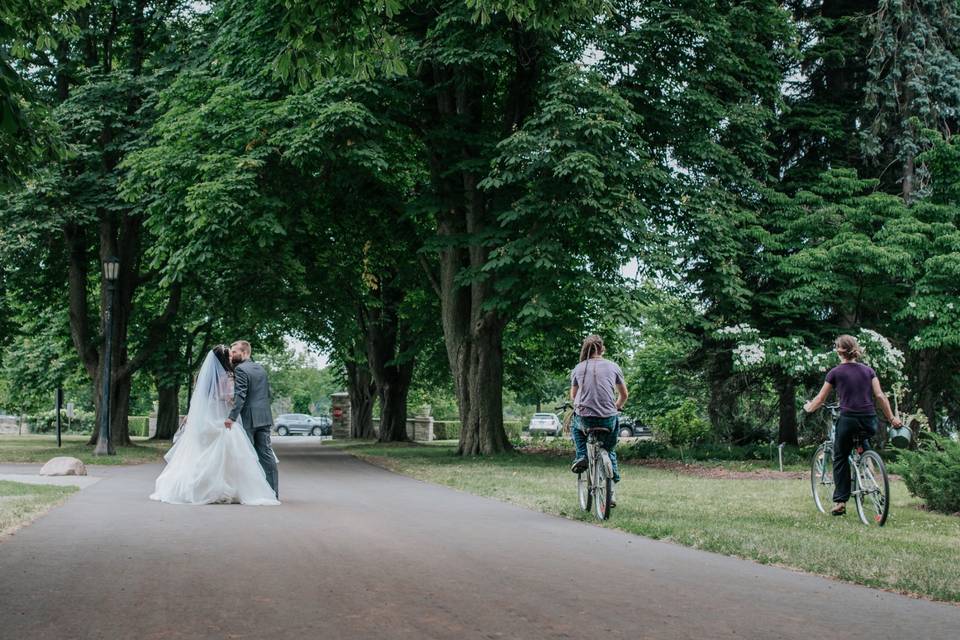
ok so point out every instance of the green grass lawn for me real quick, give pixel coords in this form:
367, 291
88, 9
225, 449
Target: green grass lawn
22, 503
769, 521
39, 449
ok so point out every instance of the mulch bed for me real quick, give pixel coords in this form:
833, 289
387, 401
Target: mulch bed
718, 473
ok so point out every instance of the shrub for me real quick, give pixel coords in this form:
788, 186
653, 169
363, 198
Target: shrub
83, 422
933, 473
514, 429
446, 430
450, 429
139, 426
682, 426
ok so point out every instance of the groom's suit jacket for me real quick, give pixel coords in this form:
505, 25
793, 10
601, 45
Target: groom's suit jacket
251, 396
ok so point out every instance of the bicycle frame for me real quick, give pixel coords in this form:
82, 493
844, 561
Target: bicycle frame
599, 474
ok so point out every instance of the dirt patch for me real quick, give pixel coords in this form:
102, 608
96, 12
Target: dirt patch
718, 473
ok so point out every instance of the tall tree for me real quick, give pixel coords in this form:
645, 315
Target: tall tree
99, 77
534, 178
914, 83
706, 79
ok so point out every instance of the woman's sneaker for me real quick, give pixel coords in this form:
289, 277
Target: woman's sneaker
579, 465
613, 496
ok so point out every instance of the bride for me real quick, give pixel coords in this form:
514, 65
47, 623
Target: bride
209, 463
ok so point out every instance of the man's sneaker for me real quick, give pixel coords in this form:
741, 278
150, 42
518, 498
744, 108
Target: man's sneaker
613, 496
579, 465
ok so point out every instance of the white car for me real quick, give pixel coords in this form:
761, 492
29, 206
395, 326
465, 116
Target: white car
545, 423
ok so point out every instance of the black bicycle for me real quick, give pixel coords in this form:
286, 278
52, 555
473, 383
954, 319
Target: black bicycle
869, 482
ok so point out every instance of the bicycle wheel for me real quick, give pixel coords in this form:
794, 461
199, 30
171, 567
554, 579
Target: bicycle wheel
603, 488
583, 490
821, 477
873, 496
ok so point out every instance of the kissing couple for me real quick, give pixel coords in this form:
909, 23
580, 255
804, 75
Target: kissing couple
223, 453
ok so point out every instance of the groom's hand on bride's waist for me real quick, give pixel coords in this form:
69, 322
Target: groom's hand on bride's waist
228, 423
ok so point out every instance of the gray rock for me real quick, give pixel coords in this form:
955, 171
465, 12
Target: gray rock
63, 466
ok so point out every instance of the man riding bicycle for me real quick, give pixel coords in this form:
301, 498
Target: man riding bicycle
593, 383
857, 386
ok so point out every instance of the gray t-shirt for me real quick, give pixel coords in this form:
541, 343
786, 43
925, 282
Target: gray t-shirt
596, 378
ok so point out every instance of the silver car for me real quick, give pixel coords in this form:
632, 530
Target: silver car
545, 423
303, 424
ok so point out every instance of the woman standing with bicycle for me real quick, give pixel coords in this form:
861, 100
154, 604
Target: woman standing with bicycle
598, 393
857, 386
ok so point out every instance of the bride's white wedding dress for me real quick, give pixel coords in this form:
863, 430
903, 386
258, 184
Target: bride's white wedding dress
209, 463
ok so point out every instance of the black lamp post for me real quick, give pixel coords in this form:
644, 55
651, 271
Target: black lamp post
111, 270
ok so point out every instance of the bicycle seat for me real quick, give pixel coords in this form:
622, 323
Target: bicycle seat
598, 430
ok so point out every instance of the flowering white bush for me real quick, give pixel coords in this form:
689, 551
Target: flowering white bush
748, 355
887, 360
738, 330
798, 360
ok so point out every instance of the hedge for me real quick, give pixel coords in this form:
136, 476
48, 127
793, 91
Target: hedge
139, 426
450, 429
83, 423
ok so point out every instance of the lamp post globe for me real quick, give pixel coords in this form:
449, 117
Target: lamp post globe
111, 271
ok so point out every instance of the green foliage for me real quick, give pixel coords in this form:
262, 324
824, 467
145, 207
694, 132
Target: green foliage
83, 422
297, 383
914, 81
683, 426
446, 429
139, 426
933, 473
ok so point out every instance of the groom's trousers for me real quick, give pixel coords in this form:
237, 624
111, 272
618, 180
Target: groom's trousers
261, 442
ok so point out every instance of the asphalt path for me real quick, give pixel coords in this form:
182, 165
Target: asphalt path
359, 552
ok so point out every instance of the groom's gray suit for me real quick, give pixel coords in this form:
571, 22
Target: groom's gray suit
251, 401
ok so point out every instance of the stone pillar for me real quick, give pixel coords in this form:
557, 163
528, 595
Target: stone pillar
340, 414
423, 428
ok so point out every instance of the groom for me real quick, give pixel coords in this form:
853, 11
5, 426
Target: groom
251, 401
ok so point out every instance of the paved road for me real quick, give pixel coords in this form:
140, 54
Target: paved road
357, 552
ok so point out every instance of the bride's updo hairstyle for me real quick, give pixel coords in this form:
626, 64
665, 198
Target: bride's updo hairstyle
222, 352
848, 348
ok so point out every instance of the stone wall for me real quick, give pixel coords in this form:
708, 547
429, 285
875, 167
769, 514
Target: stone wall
419, 428
9, 426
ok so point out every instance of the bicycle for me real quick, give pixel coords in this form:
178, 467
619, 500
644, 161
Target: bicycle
870, 486
595, 483
565, 424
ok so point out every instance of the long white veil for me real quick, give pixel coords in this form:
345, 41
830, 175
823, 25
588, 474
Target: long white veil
208, 462
209, 405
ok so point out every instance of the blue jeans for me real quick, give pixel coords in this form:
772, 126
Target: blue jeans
609, 441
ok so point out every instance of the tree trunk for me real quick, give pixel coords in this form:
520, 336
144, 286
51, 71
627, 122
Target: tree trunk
384, 338
119, 412
481, 392
393, 404
720, 404
787, 399
362, 391
168, 410
925, 392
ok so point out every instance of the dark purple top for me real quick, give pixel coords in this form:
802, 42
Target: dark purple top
854, 384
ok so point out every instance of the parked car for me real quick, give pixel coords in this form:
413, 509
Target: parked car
630, 428
303, 424
545, 423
